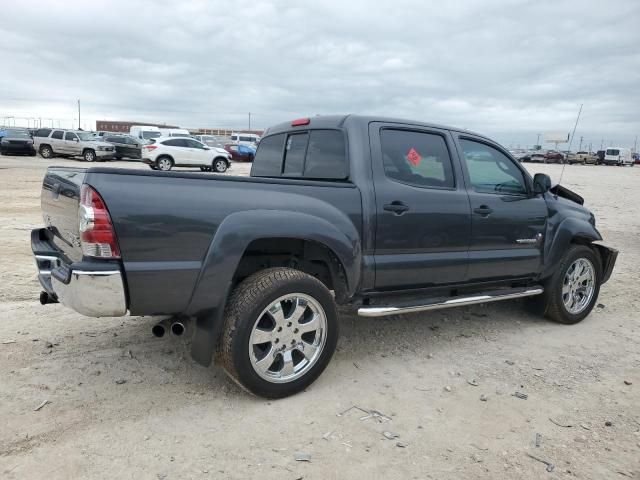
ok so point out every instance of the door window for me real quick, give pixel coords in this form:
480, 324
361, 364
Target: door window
175, 142
70, 136
57, 134
193, 144
416, 158
490, 170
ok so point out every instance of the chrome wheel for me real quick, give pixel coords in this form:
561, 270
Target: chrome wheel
46, 152
89, 156
164, 164
288, 337
578, 286
220, 166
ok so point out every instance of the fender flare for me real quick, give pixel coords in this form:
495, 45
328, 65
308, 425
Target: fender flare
566, 232
229, 243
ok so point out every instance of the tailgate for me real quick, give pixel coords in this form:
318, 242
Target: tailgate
60, 199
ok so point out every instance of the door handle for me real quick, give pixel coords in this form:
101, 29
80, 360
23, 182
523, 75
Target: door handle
483, 210
396, 207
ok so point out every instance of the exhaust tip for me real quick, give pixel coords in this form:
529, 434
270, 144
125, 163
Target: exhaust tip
177, 328
158, 330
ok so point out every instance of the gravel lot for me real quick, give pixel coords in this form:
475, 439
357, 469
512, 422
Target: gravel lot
123, 404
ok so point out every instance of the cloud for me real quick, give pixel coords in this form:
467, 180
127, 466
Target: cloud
508, 69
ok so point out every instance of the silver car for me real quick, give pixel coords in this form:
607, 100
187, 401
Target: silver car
72, 143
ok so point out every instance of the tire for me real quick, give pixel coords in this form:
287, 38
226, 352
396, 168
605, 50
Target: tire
219, 165
552, 302
89, 155
46, 151
164, 163
118, 158
247, 320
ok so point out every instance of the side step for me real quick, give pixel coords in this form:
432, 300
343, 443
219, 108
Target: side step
384, 310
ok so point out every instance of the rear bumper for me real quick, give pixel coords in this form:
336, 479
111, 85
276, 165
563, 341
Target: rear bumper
93, 289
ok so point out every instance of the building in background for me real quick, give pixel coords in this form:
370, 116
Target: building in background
122, 126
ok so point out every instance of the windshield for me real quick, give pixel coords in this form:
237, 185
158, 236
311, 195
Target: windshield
613, 151
150, 134
85, 136
15, 133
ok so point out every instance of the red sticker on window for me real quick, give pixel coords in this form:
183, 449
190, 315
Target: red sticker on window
414, 157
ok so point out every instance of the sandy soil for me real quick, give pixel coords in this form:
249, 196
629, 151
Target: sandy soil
123, 404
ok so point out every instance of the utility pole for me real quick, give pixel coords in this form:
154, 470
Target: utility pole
635, 145
580, 147
601, 143
78, 114
249, 121
538, 140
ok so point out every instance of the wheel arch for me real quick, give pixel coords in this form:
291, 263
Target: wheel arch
239, 234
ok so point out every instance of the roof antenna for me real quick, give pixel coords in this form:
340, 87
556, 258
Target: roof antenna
564, 163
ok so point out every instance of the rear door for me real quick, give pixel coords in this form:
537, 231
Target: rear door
57, 141
422, 208
508, 221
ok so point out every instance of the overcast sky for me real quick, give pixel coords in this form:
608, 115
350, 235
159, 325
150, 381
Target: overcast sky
508, 69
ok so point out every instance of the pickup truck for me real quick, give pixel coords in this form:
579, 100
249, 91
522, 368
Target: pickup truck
386, 216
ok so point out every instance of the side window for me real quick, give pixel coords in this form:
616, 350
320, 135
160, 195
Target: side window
112, 140
268, 161
491, 171
43, 132
193, 144
57, 135
70, 136
326, 157
175, 142
416, 158
294, 154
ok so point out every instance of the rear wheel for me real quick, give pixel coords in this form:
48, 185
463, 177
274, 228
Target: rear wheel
572, 291
280, 332
164, 163
46, 151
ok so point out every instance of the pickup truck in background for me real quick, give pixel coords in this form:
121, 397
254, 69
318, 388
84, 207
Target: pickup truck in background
583, 158
388, 216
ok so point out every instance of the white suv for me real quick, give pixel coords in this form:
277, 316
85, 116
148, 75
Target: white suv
168, 152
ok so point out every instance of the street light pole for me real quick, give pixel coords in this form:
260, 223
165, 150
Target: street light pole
249, 121
78, 114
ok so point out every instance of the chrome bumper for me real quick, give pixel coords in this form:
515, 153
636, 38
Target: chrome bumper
92, 293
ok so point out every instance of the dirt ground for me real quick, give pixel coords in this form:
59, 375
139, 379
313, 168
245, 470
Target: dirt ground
123, 404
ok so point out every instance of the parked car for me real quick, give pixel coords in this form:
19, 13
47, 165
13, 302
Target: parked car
16, 140
620, 156
174, 132
553, 157
249, 139
259, 264
125, 146
240, 153
582, 157
50, 142
636, 158
168, 152
144, 132
600, 155
538, 157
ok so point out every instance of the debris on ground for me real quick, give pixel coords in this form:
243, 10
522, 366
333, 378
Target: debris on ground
327, 435
302, 457
473, 382
538, 439
390, 435
476, 458
483, 398
401, 445
550, 466
561, 423
628, 382
7, 342
120, 381
41, 405
447, 388
509, 362
351, 408
600, 305
48, 345
608, 423
585, 426
520, 395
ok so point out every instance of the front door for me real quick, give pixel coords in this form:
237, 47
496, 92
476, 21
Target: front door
508, 220
422, 209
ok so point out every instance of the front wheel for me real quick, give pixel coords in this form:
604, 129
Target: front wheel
572, 291
46, 151
219, 165
89, 155
281, 329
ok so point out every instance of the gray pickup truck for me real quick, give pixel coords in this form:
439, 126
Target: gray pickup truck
388, 216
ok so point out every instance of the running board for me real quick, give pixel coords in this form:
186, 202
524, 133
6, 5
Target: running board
384, 310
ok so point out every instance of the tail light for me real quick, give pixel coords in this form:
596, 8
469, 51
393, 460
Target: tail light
97, 236
150, 147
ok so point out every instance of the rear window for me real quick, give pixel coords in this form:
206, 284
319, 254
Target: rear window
613, 151
42, 132
317, 154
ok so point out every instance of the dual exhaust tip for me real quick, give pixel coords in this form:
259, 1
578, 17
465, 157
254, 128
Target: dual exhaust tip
176, 327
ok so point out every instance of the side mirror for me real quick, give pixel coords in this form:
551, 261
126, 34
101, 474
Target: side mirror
76, 139
206, 148
541, 183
